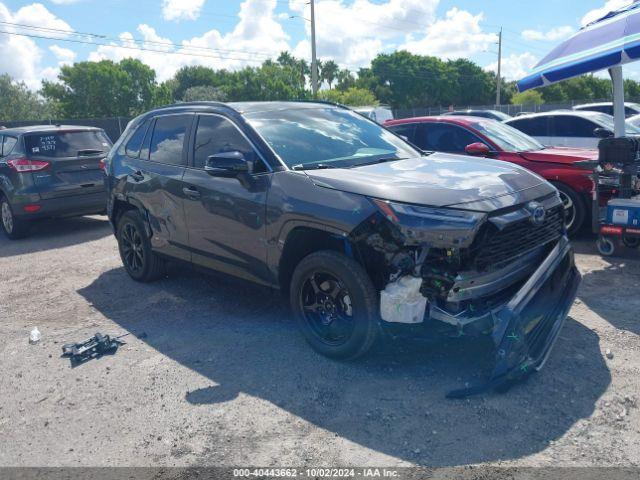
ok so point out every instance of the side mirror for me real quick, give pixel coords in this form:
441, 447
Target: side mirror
227, 164
603, 133
478, 149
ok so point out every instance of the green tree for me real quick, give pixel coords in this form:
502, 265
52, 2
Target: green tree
402, 80
354, 97
330, 71
345, 79
204, 93
472, 84
530, 97
196, 76
103, 89
20, 103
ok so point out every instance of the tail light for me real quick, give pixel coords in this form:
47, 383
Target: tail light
24, 165
102, 164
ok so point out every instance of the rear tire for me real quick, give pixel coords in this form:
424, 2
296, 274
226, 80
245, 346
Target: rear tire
13, 227
575, 208
335, 304
139, 260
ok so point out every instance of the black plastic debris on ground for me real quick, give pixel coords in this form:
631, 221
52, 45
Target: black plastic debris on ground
95, 347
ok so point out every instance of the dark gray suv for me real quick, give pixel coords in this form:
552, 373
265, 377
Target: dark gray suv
50, 171
365, 233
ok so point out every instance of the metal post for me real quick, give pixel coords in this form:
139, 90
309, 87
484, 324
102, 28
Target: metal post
499, 80
314, 60
618, 100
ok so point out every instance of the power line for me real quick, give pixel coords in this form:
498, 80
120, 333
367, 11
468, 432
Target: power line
135, 40
129, 47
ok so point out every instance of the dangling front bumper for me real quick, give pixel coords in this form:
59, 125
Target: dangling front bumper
528, 325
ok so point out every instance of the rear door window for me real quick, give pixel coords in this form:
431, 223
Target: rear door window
407, 131
67, 144
168, 139
441, 137
570, 126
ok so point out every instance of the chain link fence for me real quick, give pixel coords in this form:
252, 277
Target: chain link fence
114, 126
512, 110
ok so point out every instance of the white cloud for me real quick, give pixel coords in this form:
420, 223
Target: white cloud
458, 35
598, 13
353, 33
553, 35
24, 62
64, 55
257, 31
515, 66
175, 10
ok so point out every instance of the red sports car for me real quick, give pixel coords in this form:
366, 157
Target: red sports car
489, 138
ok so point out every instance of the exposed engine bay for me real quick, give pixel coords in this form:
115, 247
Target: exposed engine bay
465, 270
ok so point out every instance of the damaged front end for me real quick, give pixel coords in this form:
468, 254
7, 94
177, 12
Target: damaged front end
509, 274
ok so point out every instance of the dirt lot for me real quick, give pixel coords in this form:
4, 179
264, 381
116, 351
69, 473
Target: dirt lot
223, 378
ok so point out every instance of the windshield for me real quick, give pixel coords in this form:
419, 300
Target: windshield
67, 144
607, 122
506, 137
327, 136
501, 115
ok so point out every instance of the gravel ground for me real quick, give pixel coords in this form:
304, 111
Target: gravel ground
221, 376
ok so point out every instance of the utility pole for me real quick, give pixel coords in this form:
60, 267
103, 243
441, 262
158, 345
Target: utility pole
499, 79
314, 60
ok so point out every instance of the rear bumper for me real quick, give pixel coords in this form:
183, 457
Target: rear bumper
528, 325
64, 207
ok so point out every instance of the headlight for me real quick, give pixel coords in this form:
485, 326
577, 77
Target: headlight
393, 210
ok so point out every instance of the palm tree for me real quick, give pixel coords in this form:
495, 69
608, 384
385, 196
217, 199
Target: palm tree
330, 71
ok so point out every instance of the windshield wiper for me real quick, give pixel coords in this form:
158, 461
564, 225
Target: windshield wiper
317, 166
380, 160
90, 151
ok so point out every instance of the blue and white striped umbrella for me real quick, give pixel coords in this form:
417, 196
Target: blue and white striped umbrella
609, 42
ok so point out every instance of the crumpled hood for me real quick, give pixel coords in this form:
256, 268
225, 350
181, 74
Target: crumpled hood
440, 180
566, 156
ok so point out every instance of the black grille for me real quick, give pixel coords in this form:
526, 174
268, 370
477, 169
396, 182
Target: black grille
501, 247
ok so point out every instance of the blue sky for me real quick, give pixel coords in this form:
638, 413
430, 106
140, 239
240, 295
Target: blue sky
234, 33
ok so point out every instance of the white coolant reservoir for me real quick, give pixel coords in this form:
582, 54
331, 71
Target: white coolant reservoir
402, 302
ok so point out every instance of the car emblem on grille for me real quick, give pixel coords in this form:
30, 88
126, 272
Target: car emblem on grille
538, 213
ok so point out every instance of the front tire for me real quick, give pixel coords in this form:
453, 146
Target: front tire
335, 304
13, 227
139, 260
574, 207
605, 246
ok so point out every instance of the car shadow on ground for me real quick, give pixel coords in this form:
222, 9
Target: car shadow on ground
610, 293
56, 233
242, 339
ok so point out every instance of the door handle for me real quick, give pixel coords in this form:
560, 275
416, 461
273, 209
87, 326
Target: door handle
137, 176
192, 193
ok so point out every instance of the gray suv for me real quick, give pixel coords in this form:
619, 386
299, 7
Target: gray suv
50, 171
364, 233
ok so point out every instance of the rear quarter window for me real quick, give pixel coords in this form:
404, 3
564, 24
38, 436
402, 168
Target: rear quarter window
66, 144
7, 145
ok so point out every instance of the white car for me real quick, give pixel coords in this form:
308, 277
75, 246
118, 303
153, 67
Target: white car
379, 114
630, 108
634, 121
567, 128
